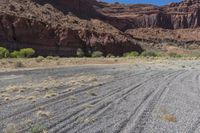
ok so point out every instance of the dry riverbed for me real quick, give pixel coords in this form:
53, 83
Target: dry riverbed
117, 95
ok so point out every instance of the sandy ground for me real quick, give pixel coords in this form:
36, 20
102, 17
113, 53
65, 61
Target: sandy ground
152, 97
35, 63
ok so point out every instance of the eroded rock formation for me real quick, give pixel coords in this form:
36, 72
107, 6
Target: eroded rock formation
24, 23
61, 27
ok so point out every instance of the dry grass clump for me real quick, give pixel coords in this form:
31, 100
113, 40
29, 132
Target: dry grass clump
10, 128
43, 114
80, 80
73, 98
86, 119
7, 98
169, 118
166, 116
91, 93
18, 97
50, 94
18, 89
3, 95
41, 108
12, 88
88, 106
90, 119
31, 98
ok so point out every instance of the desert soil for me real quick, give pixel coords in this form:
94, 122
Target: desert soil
156, 97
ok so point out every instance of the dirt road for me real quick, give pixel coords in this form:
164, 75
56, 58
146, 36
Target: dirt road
150, 98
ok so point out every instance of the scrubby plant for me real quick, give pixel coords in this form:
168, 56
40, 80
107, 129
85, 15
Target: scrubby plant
56, 58
27, 52
174, 55
53, 57
39, 59
4, 53
49, 57
37, 128
15, 54
150, 54
97, 54
131, 54
80, 53
110, 56
23, 53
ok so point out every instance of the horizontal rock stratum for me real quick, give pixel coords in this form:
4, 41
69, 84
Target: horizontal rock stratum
185, 14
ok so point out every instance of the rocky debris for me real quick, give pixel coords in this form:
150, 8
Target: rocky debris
154, 33
24, 23
158, 38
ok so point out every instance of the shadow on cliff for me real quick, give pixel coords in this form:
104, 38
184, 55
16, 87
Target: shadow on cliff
84, 9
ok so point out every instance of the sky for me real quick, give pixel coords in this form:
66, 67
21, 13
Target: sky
155, 2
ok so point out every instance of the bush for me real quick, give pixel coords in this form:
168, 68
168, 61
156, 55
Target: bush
175, 55
4, 53
15, 54
80, 53
149, 54
110, 56
23, 53
97, 54
131, 54
49, 57
27, 52
39, 59
56, 58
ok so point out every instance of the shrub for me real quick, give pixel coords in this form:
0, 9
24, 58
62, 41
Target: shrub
80, 53
37, 128
23, 53
15, 54
149, 54
56, 58
50, 57
175, 55
110, 56
131, 54
39, 59
4, 53
27, 52
97, 54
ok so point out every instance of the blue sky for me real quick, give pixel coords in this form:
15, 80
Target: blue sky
155, 2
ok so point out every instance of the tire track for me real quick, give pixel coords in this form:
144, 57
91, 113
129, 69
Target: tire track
54, 101
122, 96
144, 110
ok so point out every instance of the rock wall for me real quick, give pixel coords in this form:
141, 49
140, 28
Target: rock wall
51, 32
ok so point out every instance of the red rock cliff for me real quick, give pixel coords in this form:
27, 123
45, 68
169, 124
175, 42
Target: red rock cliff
24, 23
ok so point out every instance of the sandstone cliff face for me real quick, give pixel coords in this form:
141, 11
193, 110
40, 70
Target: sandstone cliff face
24, 23
61, 27
185, 14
